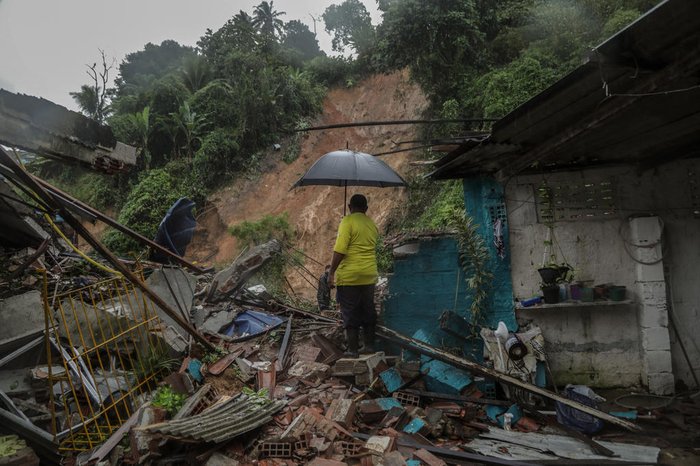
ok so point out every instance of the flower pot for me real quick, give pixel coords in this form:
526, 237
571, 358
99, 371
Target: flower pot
549, 275
600, 292
617, 293
575, 291
586, 294
551, 294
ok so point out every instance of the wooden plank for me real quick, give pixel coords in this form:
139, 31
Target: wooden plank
476, 368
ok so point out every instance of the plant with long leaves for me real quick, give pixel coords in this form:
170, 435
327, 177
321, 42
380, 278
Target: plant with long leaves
473, 258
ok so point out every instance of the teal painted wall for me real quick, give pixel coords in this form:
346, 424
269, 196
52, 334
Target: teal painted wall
425, 284
484, 200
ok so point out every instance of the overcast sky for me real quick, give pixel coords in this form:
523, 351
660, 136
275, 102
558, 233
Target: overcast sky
45, 44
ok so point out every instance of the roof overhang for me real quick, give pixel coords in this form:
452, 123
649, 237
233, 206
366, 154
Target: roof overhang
635, 101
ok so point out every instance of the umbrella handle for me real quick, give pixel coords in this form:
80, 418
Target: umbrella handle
345, 199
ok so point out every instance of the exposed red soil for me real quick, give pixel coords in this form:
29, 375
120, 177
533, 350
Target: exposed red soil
314, 212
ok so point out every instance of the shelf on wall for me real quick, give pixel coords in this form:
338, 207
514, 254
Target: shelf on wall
576, 304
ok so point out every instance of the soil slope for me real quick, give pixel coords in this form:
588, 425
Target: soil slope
315, 211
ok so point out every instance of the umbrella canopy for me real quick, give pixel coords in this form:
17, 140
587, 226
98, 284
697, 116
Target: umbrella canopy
350, 168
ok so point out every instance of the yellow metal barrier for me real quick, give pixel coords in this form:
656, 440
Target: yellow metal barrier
105, 352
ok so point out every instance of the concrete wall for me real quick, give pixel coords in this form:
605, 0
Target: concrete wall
612, 345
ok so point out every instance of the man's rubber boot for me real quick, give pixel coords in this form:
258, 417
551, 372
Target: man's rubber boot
352, 337
368, 334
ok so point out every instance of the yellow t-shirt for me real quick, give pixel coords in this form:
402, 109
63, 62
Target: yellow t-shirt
357, 238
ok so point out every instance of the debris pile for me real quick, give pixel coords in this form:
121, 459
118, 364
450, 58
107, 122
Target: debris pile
124, 362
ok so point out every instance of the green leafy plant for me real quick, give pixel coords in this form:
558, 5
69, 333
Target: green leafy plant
165, 397
212, 356
260, 398
473, 258
267, 228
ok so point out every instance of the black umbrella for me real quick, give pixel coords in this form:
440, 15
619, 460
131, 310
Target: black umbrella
350, 168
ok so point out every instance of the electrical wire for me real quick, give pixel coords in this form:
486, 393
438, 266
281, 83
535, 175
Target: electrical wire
78, 251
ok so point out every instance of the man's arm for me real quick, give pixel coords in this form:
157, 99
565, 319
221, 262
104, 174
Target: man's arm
335, 262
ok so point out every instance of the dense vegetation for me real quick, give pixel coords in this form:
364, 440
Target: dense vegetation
199, 116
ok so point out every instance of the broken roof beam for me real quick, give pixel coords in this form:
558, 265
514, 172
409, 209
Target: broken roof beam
48, 129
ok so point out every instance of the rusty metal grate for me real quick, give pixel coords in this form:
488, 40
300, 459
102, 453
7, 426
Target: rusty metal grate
107, 338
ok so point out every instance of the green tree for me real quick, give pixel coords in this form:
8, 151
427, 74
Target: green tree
140, 126
190, 124
152, 63
439, 41
237, 34
297, 36
94, 99
195, 73
350, 25
267, 20
145, 206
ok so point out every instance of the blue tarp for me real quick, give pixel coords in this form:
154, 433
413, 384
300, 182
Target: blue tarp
175, 230
251, 323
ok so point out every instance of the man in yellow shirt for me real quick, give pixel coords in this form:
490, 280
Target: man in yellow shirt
354, 271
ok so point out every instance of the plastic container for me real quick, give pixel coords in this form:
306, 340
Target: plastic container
575, 291
531, 301
600, 291
563, 292
586, 294
617, 293
551, 294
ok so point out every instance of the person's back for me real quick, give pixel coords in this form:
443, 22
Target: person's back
354, 260
357, 239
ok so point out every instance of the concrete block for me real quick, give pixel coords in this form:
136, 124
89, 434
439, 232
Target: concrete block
653, 315
379, 444
657, 361
655, 339
342, 411
652, 292
661, 383
20, 316
647, 273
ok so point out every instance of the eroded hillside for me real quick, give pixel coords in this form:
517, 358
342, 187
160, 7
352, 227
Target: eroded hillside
314, 212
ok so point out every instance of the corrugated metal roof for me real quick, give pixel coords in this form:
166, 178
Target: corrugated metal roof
222, 421
635, 101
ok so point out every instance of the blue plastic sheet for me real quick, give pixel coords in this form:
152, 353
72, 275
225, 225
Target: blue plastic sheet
175, 230
251, 323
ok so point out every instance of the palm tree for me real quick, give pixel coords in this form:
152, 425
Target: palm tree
190, 124
266, 19
195, 73
242, 19
92, 102
140, 125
